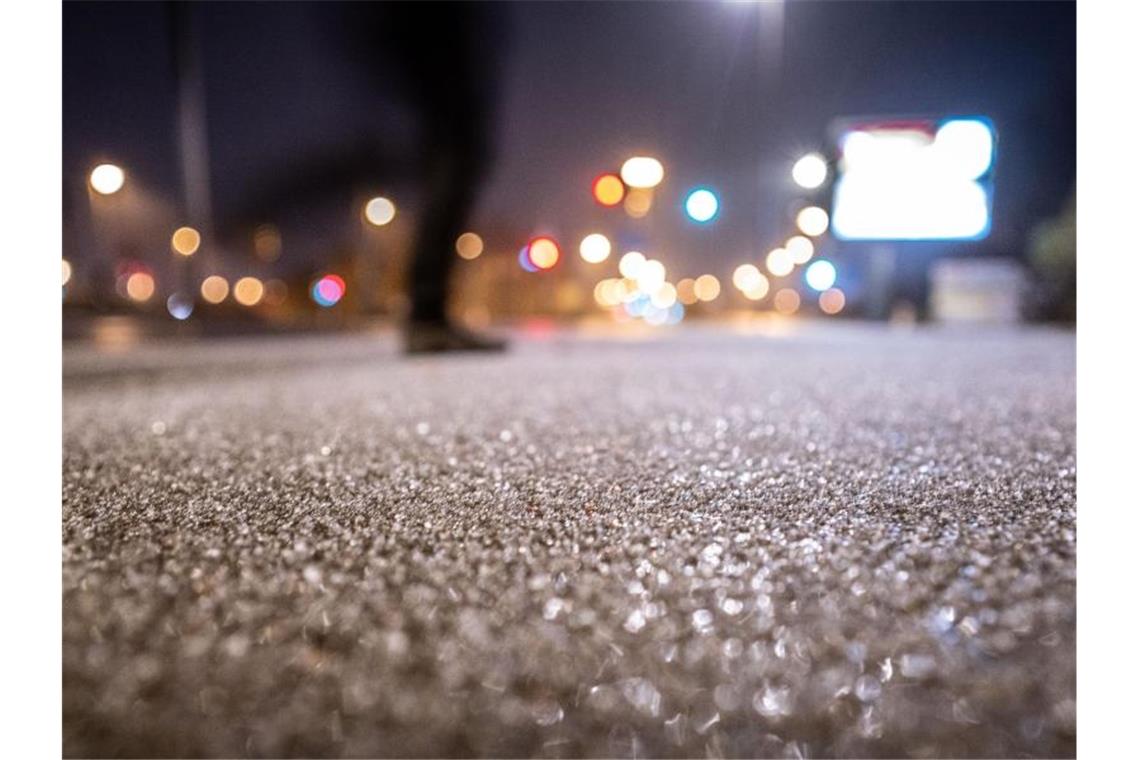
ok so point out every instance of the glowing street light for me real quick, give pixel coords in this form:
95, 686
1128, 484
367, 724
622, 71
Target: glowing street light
214, 289
687, 291
779, 262
180, 306
248, 291
379, 211
832, 301
185, 241
469, 246
66, 271
267, 242
707, 287
631, 263
812, 221
107, 179
702, 205
608, 190
650, 276
800, 249
543, 253
595, 248
821, 275
747, 277
642, 172
140, 286
810, 171
665, 296
786, 301
328, 290
638, 201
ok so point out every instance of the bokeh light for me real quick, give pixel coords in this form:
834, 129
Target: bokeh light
214, 289
524, 260
328, 290
779, 262
595, 248
786, 301
665, 296
267, 242
469, 246
185, 241
140, 286
631, 263
702, 205
638, 202
66, 271
107, 179
757, 289
800, 248
812, 221
248, 291
543, 252
810, 171
379, 211
642, 172
650, 276
746, 277
608, 190
965, 147
180, 306
687, 291
832, 301
276, 293
820, 275
707, 287
609, 292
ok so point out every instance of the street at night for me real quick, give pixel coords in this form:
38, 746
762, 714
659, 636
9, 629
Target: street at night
767, 538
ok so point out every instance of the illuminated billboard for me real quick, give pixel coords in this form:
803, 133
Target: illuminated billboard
914, 179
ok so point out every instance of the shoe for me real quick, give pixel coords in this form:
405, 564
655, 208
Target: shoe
444, 337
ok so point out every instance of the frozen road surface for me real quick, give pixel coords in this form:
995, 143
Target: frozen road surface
791, 542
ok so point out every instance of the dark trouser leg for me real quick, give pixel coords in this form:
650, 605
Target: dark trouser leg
450, 184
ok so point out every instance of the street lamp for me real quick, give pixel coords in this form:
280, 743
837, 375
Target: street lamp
810, 171
702, 205
379, 211
642, 172
107, 179
812, 221
820, 275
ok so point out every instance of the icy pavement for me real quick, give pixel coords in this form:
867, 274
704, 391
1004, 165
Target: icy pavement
848, 542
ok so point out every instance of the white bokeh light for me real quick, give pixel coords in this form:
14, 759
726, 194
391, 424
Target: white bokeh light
107, 179
810, 171
642, 172
701, 205
820, 275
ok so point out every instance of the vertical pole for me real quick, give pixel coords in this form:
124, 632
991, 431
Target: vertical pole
193, 149
770, 60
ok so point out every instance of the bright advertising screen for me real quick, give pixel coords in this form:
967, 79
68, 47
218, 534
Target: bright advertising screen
914, 179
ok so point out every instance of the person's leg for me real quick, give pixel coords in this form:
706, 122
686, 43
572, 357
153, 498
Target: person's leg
445, 59
454, 77
454, 168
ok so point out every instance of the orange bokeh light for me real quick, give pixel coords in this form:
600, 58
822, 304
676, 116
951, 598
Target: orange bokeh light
609, 190
543, 252
832, 301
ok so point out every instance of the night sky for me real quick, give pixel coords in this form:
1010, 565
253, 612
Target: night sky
587, 85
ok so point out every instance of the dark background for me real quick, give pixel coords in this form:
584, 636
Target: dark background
586, 85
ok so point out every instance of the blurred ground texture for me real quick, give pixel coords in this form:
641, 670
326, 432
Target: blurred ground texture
793, 542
